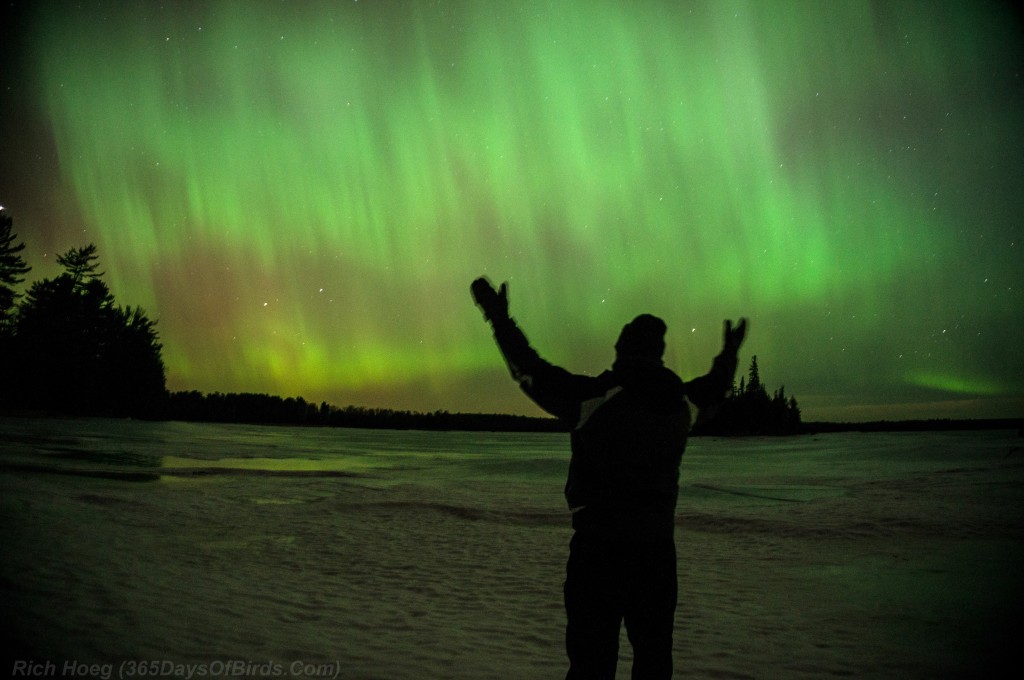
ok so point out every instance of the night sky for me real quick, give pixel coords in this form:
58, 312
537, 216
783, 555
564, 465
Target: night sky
301, 193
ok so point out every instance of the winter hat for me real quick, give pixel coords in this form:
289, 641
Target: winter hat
644, 336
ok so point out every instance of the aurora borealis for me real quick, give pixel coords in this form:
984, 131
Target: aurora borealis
301, 193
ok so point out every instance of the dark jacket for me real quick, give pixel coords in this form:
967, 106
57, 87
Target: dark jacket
629, 430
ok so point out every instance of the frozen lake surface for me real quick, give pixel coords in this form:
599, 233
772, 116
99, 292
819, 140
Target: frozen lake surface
405, 555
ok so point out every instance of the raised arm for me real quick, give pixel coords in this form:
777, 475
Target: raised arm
552, 388
711, 389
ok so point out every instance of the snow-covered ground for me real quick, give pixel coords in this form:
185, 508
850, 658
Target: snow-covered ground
162, 549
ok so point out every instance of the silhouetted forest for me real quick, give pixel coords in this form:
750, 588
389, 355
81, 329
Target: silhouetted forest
749, 410
67, 346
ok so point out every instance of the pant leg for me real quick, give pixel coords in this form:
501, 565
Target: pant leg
650, 610
594, 606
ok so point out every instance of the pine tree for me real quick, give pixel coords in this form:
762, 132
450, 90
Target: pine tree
754, 382
754, 377
82, 353
793, 414
12, 269
749, 410
80, 264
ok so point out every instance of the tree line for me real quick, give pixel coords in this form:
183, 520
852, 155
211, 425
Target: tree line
195, 406
66, 346
749, 410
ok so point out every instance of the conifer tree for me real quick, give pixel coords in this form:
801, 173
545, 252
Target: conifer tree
80, 264
793, 414
749, 410
754, 381
12, 269
82, 353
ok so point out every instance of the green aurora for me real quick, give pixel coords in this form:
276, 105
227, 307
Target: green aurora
301, 193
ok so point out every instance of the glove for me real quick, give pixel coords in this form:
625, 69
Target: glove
494, 303
734, 336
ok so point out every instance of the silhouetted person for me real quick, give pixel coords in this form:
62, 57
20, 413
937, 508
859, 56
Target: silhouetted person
629, 430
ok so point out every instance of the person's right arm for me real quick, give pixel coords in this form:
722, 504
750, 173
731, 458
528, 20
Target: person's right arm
551, 387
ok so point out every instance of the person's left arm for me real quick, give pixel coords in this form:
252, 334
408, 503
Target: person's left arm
710, 390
